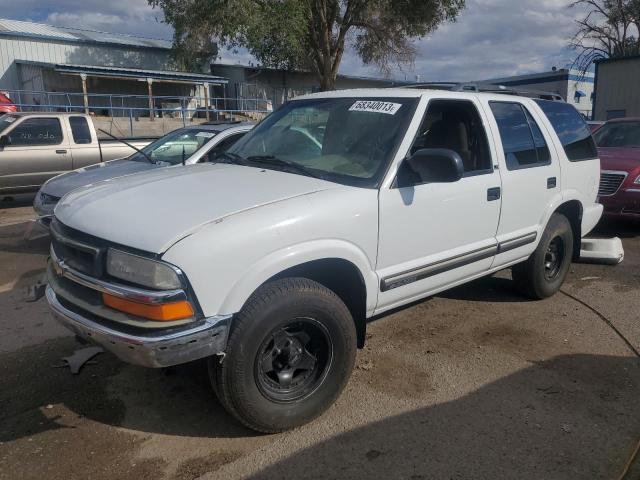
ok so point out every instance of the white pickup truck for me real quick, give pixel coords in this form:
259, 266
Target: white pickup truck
35, 147
337, 207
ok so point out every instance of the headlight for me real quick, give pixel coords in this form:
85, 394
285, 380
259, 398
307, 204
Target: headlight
141, 271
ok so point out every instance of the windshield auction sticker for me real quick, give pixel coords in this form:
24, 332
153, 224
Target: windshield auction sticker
205, 134
389, 108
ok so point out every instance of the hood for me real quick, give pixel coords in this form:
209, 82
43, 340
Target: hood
62, 184
152, 211
624, 159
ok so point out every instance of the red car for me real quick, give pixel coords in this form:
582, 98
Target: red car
6, 105
619, 148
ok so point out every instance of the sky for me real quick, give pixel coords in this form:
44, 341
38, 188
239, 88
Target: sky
491, 38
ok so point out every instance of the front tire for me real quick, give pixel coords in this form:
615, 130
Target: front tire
290, 353
543, 273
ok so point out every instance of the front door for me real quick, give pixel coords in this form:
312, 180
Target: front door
434, 235
37, 151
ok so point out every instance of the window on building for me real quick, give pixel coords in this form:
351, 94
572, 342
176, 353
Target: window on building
80, 130
456, 125
522, 141
611, 114
573, 131
37, 131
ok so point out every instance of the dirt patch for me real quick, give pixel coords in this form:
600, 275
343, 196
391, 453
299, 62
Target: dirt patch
398, 377
196, 467
38, 401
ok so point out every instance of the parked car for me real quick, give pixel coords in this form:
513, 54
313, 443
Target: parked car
6, 105
187, 146
594, 124
337, 207
35, 147
619, 147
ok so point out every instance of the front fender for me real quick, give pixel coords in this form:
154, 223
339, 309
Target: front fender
294, 256
227, 260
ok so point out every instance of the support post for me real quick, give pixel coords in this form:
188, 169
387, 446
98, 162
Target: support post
149, 83
206, 98
85, 97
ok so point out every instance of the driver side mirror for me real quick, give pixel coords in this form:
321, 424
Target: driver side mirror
431, 165
5, 140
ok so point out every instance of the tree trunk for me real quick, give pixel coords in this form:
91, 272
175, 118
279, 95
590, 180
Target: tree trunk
328, 81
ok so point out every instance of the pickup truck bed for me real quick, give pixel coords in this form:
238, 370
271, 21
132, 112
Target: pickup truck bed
35, 147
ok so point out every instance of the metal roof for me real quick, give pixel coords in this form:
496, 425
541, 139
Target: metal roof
49, 32
134, 73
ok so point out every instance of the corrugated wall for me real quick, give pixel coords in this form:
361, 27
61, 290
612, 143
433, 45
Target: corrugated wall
15, 48
618, 89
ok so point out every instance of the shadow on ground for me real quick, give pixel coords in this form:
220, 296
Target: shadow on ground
176, 401
624, 228
569, 417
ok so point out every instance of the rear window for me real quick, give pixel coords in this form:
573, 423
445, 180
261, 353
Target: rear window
618, 134
572, 130
80, 130
522, 141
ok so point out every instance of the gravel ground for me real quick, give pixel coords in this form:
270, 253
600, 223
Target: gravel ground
475, 383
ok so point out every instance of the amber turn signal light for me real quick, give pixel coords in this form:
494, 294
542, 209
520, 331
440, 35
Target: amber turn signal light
162, 312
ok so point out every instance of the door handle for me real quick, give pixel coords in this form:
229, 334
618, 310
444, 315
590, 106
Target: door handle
552, 182
61, 152
493, 194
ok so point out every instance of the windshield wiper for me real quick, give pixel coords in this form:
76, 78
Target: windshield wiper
128, 145
230, 158
273, 160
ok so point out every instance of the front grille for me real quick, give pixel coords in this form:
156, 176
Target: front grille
76, 251
610, 183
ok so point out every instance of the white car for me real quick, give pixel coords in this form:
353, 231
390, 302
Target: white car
188, 145
337, 207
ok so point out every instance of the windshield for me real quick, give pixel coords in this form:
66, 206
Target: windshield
618, 134
175, 146
345, 140
6, 120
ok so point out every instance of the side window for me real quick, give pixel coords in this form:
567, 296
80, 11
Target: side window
456, 125
224, 145
37, 131
80, 130
572, 130
227, 142
544, 156
522, 140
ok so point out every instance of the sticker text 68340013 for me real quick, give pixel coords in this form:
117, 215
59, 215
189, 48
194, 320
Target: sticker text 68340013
389, 108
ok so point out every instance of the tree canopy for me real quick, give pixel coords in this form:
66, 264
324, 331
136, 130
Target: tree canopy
305, 34
609, 29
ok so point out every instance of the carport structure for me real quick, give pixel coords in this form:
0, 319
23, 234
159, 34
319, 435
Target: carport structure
116, 88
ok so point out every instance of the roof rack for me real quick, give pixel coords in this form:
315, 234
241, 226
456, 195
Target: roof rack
486, 88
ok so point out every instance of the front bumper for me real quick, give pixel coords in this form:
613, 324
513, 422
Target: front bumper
154, 349
624, 204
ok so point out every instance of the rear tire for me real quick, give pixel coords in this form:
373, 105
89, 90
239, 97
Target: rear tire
290, 353
543, 273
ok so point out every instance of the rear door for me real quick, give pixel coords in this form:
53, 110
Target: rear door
38, 150
530, 177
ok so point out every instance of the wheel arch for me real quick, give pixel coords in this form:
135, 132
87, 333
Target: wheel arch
572, 210
341, 277
340, 266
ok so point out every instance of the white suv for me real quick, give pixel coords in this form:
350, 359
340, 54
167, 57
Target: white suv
337, 207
